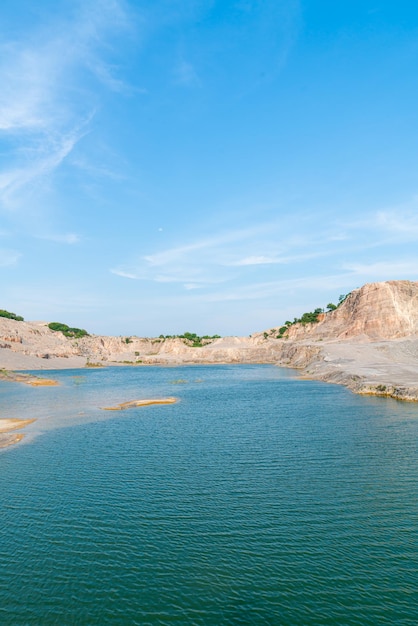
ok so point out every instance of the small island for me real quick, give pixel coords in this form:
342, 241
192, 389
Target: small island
133, 403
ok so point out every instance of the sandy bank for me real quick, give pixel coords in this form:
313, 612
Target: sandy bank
385, 368
12, 360
133, 403
27, 379
7, 437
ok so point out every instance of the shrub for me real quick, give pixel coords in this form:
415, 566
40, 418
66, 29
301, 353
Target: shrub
67, 331
196, 340
309, 318
11, 316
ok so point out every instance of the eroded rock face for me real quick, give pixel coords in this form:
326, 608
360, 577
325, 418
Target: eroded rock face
377, 311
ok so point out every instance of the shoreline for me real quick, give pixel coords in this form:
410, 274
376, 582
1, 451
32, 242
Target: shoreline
386, 369
7, 427
356, 367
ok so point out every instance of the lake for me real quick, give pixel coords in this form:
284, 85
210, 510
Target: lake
257, 499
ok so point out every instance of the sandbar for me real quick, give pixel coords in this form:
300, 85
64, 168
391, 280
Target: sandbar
28, 379
7, 438
146, 402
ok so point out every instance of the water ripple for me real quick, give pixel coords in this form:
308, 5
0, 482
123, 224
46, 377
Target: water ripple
258, 499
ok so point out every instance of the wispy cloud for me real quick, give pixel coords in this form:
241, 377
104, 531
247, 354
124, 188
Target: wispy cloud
387, 225
271, 257
384, 270
400, 221
221, 257
124, 274
44, 160
45, 106
277, 260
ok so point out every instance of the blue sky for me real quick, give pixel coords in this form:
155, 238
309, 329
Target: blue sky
211, 166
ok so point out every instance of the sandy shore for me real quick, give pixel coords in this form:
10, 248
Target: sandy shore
384, 368
27, 379
7, 426
10, 360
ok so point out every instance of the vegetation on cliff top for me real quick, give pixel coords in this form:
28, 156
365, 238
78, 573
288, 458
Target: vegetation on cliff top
67, 331
308, 318
192, 339
11, 316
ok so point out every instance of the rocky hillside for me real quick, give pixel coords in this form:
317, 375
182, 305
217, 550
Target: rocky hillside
32, 345
369, 343
377, 311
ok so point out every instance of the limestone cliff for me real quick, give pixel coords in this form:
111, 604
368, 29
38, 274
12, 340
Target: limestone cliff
369, 343
377, 311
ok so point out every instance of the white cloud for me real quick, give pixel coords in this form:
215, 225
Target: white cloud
390, 225
45, 109
14, 181
191, 286
274, 258
277, 260
384, 269
256, 260
399, 221
221, 257
123, 274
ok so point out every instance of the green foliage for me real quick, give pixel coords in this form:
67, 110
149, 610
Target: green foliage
195, 340
282, 330
67, 331
128, 340
11, 316
309, 318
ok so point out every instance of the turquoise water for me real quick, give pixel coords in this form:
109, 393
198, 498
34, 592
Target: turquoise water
257, 499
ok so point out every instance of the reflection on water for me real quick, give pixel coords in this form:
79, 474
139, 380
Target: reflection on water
257, 499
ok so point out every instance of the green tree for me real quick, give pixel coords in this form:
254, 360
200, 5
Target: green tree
71, 333
11, 316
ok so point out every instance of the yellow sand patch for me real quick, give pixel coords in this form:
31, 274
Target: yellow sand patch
28, 379
8, 424
132, 403
8, 438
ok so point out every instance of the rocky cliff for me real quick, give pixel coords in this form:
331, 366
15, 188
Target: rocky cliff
377, 311
369, 343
